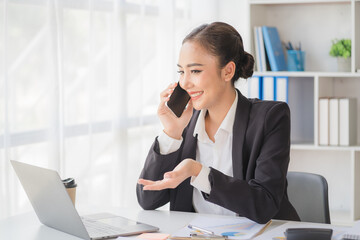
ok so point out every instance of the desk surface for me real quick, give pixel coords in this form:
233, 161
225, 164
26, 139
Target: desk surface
27, 226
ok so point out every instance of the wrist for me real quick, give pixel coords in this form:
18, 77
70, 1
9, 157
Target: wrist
196, 168
173, 134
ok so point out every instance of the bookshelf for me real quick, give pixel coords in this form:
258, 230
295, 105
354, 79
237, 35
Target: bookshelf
315, 23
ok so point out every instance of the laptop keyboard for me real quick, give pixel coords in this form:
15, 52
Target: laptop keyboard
96, 229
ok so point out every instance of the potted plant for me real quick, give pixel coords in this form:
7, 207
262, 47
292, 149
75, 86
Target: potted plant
341, 49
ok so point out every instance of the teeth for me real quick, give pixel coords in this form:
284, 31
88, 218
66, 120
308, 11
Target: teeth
196, 94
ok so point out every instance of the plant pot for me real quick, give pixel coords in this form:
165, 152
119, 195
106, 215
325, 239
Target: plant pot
344, 64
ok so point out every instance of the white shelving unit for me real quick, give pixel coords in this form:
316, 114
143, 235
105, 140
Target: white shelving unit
315, 23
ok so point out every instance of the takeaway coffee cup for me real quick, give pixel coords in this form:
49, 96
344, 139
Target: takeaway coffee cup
70, 186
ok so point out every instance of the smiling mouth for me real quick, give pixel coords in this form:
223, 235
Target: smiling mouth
195, 95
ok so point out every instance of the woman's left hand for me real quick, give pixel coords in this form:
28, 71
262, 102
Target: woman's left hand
186, 168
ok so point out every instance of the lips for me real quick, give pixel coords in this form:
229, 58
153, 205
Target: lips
195, 95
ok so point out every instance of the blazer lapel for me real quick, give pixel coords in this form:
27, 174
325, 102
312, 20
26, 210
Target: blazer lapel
184, 192
189, 149
239, 131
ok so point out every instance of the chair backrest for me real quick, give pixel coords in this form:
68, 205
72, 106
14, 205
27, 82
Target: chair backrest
308, 193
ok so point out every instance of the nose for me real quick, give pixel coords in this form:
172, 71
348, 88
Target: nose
185, 81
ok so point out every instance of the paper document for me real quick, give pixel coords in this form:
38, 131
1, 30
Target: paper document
278, 232
232, 227
354, 232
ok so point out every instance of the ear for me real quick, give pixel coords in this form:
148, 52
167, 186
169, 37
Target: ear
228, 71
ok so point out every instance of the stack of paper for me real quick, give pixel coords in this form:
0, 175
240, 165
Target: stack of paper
233, 227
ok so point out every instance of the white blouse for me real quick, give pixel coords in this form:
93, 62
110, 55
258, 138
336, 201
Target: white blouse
216, 154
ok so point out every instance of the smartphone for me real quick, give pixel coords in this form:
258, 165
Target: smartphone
178, 100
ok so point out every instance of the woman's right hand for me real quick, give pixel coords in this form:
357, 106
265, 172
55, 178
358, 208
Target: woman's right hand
173, 126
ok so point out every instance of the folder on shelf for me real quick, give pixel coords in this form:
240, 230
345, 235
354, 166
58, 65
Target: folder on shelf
257, 49
334, 121
281, 89
323, 121
348, 121
268, 88
260, 50
274, 48
255, 87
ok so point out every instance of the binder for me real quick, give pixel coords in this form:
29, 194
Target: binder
334, 121
348, 121
323, 121
281, 89
255, 87
262, 50
274, 48
257, 49
268, 89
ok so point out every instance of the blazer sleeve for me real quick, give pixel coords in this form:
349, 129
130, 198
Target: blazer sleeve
155, 167
259, 198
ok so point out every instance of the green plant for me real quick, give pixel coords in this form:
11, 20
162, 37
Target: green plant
341, 48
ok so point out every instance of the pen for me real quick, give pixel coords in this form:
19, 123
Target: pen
200, 229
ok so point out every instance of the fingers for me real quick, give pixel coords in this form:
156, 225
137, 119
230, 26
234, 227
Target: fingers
164, 97
167, 92
151, 185
160, 184
145, 182
189, 107
156, 187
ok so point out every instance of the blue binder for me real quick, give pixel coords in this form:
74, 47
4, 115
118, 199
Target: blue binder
274, 49
255, 87
281, 89
268, 88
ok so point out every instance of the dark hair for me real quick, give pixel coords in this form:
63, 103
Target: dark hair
224, 42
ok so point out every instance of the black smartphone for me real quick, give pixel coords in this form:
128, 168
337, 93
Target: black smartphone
178, 100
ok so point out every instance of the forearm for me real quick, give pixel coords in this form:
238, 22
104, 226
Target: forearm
254, 199
154, 168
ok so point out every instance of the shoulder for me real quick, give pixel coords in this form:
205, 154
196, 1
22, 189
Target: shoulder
268, 108
268, 114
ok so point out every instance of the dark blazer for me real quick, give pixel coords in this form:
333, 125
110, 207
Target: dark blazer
260, 158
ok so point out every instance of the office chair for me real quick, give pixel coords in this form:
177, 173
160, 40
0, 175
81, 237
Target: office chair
308, 193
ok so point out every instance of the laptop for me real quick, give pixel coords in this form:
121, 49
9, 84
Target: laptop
55, 209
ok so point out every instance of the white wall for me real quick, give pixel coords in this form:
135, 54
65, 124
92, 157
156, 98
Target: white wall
234, 12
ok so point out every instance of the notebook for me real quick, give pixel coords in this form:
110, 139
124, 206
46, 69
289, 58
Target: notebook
55, 209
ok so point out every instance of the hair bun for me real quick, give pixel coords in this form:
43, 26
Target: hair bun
246, 65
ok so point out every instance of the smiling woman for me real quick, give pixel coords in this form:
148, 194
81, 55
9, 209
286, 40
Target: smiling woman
226, 154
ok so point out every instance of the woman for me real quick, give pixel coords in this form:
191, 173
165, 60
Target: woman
231, 154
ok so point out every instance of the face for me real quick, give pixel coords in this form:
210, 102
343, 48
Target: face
201, 76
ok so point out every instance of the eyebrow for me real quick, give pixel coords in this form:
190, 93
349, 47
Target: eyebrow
191, 65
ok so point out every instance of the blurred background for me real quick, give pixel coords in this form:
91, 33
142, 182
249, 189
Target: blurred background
80, 83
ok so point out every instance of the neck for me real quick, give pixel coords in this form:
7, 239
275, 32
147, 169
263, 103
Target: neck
217, 113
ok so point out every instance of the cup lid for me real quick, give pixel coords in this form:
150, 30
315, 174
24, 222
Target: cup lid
69, 182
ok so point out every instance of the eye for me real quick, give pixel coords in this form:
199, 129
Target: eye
180, 72
196, 71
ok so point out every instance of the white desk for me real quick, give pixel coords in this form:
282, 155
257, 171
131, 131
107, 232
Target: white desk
28, 227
